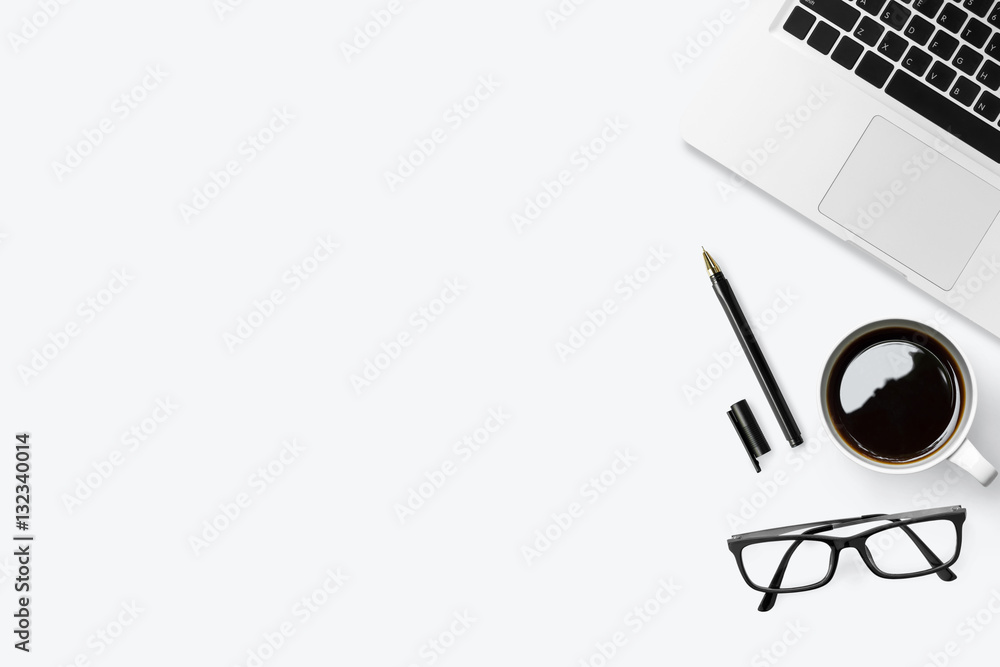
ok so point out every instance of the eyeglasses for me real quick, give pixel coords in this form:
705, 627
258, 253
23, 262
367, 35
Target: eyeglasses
794, 559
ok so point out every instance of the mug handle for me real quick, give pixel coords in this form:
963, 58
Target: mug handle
968, 458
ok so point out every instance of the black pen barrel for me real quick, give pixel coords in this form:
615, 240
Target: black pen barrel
755, 356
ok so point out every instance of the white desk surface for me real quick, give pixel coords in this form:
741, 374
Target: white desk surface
494, 347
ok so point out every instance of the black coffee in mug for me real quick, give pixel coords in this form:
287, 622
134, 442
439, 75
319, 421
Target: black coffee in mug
895, 395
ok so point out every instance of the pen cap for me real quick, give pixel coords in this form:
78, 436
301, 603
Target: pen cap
749, 431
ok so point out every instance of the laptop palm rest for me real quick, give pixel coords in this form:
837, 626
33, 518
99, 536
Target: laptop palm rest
913, 203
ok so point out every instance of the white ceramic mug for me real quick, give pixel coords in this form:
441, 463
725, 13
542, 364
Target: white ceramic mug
957, 448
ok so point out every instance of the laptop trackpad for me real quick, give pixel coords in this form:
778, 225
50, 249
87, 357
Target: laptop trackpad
913, 203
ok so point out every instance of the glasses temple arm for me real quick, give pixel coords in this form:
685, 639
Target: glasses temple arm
767, 602
932, 559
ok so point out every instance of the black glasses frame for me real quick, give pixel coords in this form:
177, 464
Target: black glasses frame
738, 543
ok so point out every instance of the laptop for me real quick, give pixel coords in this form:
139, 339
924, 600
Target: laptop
877, 119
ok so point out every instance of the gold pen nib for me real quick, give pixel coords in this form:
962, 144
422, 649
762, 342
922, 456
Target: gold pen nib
710, 264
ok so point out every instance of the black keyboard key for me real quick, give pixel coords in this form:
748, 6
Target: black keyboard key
874, 69
978, 7
895, 15
919, 30
837, 12
976, 33
873, 7
893, 46
928, 7
952, 18
943, 45
799, 23
944, 113
965, 91
988, 106
824, 37
968, 60
993, 48
847, 53
917, 61
941, 76
989, 75
994, 16
869, 31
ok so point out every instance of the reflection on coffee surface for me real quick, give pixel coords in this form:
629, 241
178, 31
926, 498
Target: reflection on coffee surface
895, 395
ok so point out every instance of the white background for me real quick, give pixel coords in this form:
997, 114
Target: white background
666, 518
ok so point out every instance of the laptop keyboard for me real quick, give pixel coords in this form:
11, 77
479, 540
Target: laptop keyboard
940, 58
